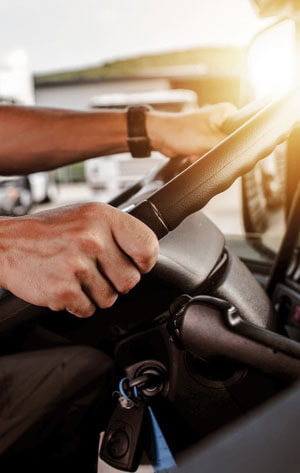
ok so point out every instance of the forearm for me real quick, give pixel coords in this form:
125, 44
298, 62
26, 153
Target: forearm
33, 139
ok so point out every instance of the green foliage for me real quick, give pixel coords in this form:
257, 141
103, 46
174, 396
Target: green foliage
216, 59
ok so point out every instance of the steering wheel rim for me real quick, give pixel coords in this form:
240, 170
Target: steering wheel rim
160, 211
174, 166
215, 171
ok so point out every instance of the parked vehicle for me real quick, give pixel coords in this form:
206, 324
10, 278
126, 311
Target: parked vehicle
18, 194
15, 196
43, 186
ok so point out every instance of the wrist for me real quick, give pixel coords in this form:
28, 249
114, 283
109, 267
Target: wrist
122, 129
110, 130
159, 126
121, 143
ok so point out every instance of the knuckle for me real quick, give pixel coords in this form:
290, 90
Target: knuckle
78, 267
81, 272
87, 244
73, 263
93, 210
100, 247
62, 295
89, 209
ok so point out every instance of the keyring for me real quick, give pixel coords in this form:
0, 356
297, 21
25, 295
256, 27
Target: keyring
123, 392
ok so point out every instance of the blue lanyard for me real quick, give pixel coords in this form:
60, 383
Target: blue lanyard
161, 455
162, 458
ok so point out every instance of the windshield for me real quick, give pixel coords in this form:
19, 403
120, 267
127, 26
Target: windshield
81, 54
75, 33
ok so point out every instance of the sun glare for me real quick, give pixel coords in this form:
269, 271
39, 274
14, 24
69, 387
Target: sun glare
270, 63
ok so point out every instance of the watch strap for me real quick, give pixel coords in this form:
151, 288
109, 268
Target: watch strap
138, 141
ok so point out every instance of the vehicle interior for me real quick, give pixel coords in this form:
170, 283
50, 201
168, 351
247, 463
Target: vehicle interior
210, 334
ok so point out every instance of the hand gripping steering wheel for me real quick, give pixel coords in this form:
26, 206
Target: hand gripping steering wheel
214, 172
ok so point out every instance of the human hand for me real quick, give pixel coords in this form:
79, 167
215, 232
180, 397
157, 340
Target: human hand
189, 133
76, 257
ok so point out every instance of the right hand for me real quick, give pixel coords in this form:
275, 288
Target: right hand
75, 258
190, 133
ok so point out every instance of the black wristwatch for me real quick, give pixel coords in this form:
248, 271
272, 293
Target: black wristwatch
138, 141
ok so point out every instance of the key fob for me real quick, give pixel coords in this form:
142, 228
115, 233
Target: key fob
122, 445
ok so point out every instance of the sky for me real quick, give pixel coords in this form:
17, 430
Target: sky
63, 34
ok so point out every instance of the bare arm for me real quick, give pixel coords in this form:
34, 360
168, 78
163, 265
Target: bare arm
34, 139
83, 256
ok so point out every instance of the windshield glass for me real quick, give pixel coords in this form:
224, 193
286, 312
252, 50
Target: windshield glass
82, 54
75, 33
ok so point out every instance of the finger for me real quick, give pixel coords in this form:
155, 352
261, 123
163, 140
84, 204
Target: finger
81, 306
97, 287
220, 113
72, 299
118, 268
136, 240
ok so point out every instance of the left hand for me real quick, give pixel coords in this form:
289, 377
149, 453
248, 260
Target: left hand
188, 133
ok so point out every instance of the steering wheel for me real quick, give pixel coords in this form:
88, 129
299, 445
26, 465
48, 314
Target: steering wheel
163, 174
214, 172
